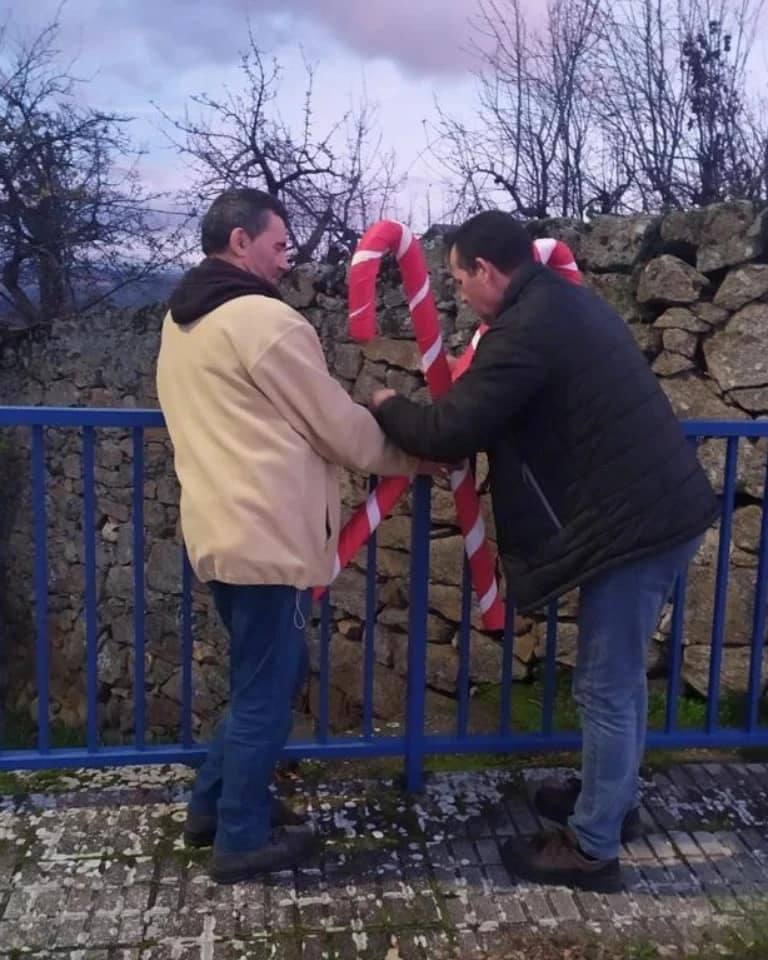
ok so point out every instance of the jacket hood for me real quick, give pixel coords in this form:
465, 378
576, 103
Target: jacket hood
212, 283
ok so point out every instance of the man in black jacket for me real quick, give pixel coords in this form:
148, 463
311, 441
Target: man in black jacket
593, 485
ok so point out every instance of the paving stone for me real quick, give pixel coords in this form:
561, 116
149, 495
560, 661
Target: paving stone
695, 858
522, 817
620, 904
97, 877
468, 945
104, 928
744, 861
488, 851
563, 904
537, 905
483, 906
7, 868
71, 930
592, 906
132, 927
464, 851
510, 908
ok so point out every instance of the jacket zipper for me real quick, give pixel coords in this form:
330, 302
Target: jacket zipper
529, 478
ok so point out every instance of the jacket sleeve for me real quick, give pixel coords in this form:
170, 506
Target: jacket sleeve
507, 372
293, 374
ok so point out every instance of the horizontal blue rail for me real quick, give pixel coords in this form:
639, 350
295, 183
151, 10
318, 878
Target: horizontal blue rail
413, 740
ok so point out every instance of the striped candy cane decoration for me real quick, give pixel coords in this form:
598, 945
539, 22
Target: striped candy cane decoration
382, 237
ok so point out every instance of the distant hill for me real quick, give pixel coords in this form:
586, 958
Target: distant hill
131, 297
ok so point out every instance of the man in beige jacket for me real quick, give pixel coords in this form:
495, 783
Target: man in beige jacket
259, 428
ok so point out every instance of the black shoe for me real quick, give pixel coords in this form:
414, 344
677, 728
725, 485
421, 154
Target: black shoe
557, 801
200, 828
287, 847
556, 858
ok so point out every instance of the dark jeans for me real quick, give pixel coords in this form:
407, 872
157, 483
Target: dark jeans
268, 665
618, 613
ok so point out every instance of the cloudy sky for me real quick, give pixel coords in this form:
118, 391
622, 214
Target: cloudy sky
405, 53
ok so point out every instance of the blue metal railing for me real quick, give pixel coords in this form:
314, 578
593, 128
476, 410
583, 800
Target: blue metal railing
413, 741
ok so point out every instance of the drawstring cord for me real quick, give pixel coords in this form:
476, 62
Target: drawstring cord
298, 616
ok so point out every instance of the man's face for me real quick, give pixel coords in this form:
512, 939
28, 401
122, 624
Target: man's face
266, 255
479, 288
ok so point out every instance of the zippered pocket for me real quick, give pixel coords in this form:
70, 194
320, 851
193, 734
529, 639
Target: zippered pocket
532, 482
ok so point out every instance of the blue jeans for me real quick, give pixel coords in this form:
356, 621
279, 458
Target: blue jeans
618, 614
268, 665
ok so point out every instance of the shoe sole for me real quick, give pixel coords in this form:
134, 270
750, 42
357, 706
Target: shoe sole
628, 833
250, 873
573, 879
592, 883
198, 840
205, 839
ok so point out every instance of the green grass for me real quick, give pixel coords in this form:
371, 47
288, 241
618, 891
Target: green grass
528, 702
20, 732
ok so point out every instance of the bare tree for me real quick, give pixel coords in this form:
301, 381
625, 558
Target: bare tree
716, 49
332, 184
74, 223
610, 107
673, 91
642, 85
535, 114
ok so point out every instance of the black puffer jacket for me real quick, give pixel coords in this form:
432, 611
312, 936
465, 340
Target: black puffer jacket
589, 466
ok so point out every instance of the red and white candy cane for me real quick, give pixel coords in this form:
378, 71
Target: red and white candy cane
390, 235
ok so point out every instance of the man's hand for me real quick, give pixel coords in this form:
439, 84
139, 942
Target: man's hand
430, 468
433, 468
379, 396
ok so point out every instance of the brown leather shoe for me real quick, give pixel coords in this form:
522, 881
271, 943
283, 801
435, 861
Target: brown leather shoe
555, 858
200, 828
286, 848
556, 801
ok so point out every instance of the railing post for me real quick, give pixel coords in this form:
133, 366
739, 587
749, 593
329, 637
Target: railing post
369, 652
41, 588
91, 599
324, 676
550, 671
465, 639
186, 650
756, 678
721, 585
139, 725
417, 635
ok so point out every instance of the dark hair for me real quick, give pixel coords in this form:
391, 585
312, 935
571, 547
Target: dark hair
240, 207
495, 236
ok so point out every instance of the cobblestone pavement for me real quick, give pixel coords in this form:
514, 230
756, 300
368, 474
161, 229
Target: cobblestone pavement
93, 868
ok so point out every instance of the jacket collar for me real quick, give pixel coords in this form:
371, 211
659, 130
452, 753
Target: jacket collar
520, 280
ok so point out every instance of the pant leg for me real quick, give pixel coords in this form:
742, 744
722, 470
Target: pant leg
618, 614
265, 654
207, 787
298, 625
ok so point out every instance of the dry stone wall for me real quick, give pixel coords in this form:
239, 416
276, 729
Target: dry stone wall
693, 288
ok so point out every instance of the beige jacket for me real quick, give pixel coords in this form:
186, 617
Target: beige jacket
258, 426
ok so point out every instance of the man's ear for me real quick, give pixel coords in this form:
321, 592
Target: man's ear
238, 239
482, 267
